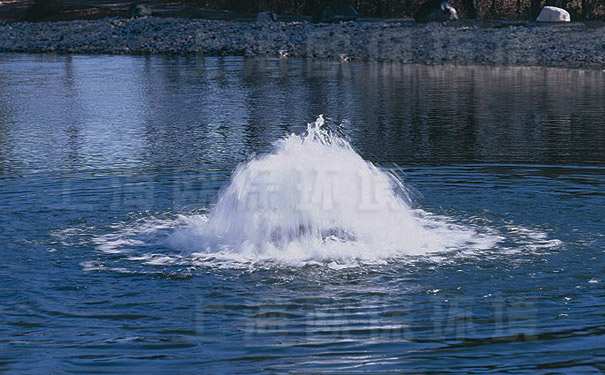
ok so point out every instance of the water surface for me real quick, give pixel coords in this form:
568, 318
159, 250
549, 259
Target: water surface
101, 156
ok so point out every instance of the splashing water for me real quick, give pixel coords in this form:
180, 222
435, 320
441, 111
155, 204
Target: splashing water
315, 199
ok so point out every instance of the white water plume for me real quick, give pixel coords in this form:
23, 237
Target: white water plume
314, 198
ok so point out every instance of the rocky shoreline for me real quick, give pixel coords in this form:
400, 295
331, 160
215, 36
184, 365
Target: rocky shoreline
461, 43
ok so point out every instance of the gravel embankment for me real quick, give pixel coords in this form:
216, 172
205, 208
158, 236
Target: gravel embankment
570, 46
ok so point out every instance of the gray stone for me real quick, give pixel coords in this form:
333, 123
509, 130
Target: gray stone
553, 14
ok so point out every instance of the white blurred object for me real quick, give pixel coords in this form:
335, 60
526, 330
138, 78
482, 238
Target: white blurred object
553, 14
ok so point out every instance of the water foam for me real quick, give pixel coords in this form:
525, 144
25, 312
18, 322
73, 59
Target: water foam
315, 198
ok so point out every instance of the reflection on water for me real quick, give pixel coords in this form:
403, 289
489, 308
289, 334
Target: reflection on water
116, 112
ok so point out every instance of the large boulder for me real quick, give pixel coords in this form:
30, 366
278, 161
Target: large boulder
436, 11
553, 14
335, 12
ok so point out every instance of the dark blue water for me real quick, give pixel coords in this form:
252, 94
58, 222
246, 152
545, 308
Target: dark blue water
100, 153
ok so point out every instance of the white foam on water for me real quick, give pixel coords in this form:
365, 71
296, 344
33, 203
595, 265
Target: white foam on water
315, 198
312, 200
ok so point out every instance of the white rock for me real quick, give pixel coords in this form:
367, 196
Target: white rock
553, 14
266, 17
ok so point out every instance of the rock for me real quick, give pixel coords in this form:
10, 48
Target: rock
138, 10
335, 12
553, 14
436, 11
266, 17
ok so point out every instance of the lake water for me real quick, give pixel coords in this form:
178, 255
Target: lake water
117, 258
